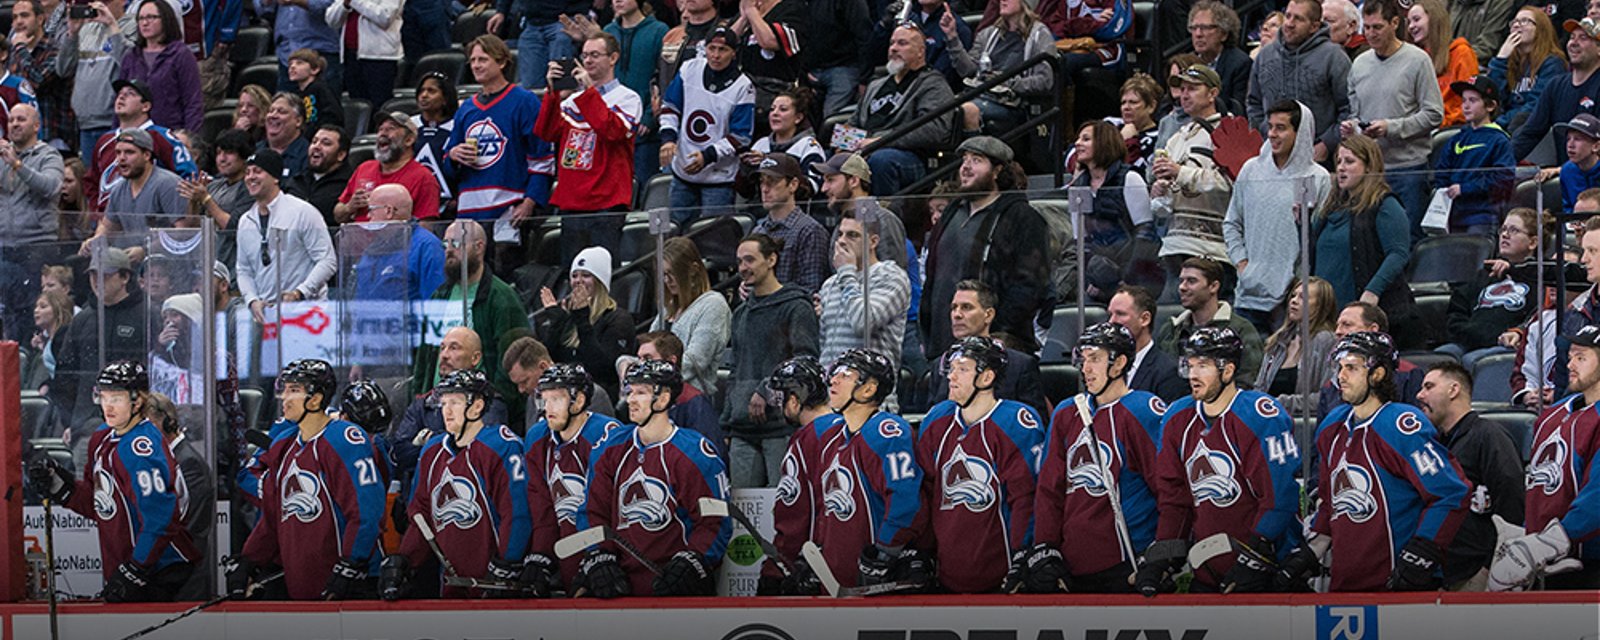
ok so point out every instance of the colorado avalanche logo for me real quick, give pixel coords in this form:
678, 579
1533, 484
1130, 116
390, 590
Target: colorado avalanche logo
568, 491
1507, 294
707, 450
455, 502
1158, 406
142, 446
355, 435
889, 429
1082, 470
105, 494
1211, 476
1267, 407
1352, 493
1027, 419
1408, 423
302, 494
698, 126
838, 492
789, 484
644, 502
1545, 470
491, 142
966, 481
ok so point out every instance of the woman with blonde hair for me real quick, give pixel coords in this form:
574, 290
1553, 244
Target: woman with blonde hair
1287, 361
694, 313
1362, 235
1428, 26
1529, 58
1015, 36
51, 313
587, 327
250, 115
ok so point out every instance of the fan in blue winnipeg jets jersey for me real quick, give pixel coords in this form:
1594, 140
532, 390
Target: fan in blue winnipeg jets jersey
1226, 465
471, 487
561, 449
1082, 539
799, 388
981, 455
647, 485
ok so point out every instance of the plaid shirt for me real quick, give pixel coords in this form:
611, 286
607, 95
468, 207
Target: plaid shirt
804, 260
37, 64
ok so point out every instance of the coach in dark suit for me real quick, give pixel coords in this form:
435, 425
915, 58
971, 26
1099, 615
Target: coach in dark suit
971, 313
1154, 371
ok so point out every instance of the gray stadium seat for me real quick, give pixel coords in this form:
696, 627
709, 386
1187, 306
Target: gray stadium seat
1519, 424
1060, 380
1492, 378
1064, 330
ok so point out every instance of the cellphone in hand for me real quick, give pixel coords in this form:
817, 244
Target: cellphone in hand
81, 11
567, 82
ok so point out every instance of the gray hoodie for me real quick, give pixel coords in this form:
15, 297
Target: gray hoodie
93, 58
1260, 223
28, 196
766, 330
928, 90
1316, 73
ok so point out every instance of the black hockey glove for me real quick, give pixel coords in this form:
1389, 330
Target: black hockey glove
1253, 569
538, 575
129, 583
1159, 565
915, 567
502, 570
342, 582
392, 577
1042, 570
241, 572
685, 574
51, 480
803, 582
601, 573
874, 565
1296, 571
1417, 567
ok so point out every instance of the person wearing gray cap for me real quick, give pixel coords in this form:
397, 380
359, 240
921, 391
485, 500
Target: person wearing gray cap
146, 197
112, 279
910, 90
1582, 168
394, 162
992, 234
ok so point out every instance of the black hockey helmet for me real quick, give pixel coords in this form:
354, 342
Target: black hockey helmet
365, 404
658, 373
1111, 337
801, 377
123, 375
1376, 346
471, 382
315, 375
1218, 343
571, 377
868, 364
988, 354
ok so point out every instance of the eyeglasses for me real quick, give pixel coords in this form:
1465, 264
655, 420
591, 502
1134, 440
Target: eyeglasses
1509, 230
1522, 21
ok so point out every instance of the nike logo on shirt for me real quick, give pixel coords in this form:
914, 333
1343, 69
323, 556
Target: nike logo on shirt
1460, 149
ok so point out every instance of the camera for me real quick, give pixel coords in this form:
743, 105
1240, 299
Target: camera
81, 12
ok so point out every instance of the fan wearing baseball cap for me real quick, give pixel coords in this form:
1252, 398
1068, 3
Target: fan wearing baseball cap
1189, 186
1573, 93
1475, 166
1581, 171
394, 162
283, 241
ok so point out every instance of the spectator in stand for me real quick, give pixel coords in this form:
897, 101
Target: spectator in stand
587, 327
282, 242
319, 104
223, 197
1361, 316
132, 107
1214, 31
698, 18
436, 112
33, 57
996, 50
775, 323
1304, 66
421, 31
1550, 378
326, 173
303, 24
707, 116
1199, 286
1343, 19
804, 259
774, 31
1121, 199
14, 89
75, 223
972, 312
1475, 167
1091, 33
1140, 98
165, 62
501, 166
423, 256
1267, 33
1567, 97
51, 313
122, 306
1172, 116
836, 54
392, 163
1394, 100
846, 179
696, 313
285, 125
30, 177
1482, 23
1428, 26
1581, 171
1501, 296
1262, 225
863, 304
1287, 362
593, 129
792, 134
926, 16
146, 198
1188, 186
250, 115
990, 234
693, 408
1362, 243
1529, 60
640, 35
89, 57
909, 91
375, 38
542, 40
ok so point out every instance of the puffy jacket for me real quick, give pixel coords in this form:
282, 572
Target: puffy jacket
377, 33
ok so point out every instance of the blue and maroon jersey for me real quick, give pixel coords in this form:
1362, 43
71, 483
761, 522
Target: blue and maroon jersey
794, 513
476, 500
132, 489
650, 494
871, 492
1232, 473
1563, 479
558, 481
979, 487
1384, 481
249, 475
1072, 509
14, 90
323, 501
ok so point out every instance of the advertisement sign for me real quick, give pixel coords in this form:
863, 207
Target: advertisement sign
741, 570
77, 547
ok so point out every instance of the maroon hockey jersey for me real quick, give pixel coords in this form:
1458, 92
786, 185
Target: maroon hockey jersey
475, 499
558, 482
799, 497
132, 489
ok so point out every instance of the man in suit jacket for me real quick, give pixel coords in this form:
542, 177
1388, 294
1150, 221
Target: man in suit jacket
971, 312
1154, 371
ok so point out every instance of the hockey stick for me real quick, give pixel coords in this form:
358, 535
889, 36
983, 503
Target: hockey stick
723, 508
574, 544
819, 565
50, 556
1208, 549
451, 577
205, 605
1082, 403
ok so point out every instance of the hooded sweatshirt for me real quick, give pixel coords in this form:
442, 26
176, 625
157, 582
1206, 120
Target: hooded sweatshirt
766, 330
1260, 223
1461, 67
1479, 159
1316, 72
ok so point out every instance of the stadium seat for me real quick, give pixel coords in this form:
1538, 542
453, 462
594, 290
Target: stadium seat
450, 63
1060, 380
249, 44
1527, 194
35, 414
360, 154
1492, 378
547, 250
216, 121
1427, 359
250, 401
1439, 262
717, 238
403, 104
264, 74
1518, 423
1064, 331
357, 116
633, 291
470, 25
1039, 184
637, 241
1432, 310
1164, 314
656, 192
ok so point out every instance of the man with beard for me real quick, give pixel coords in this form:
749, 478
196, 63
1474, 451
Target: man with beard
132, 108
1303, 65
846, 180
1199, 283
326, 171
910, 90
394, 163
145, 198
992, 234
284, 125
282, 242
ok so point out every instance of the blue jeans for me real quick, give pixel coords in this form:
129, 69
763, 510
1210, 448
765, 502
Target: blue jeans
646, 159
86, 140
756, 462
425, 29
840, 85
690, 201
893, 170
536, 47
1410, 185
